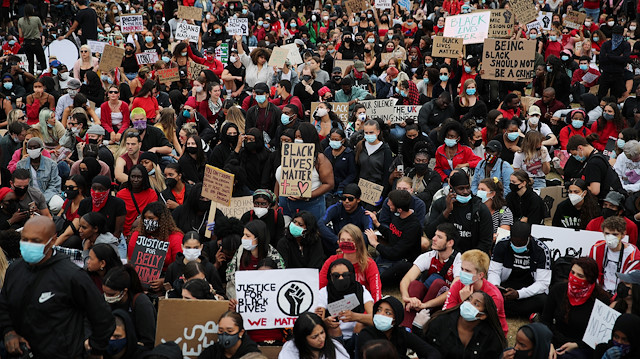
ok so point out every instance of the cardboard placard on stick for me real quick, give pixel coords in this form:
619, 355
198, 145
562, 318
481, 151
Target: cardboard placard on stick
544, 17
297, 163
168, 75
501, 25
148, 257
192, 324
356, 6
111, 58
524, 10
471, 28
574, 19
371, 192
450, 47
189, 13
131, 23
195, 69
217, 185
509, 60
146, 58
278, 57
100, 9
383, 4
386, 56
343, 64
185, 31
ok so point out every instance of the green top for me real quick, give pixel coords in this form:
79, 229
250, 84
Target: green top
30, 29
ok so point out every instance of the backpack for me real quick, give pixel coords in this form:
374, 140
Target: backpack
611, 179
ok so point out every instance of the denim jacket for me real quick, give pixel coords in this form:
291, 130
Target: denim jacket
501, 169
47, 175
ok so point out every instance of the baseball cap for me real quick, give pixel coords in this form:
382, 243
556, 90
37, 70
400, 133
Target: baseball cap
534, 110
74, 84
615, 198
359, 65
631, 277
95, 130
494, 146
261, 87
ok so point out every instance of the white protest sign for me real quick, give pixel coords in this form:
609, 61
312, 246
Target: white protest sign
294, 53
534, 25
383, 4
589, 77
96, 46
544, 18
404, 113
24, 64
274, 298
131, 23
382, 108
145, 58
349, 302
471, 28
185, 31
600, 324
566, 241
238, 26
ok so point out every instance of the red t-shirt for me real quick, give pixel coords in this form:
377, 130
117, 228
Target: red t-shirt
148, 104
179, 196
453, 299
175, 247
143, 199
370, 278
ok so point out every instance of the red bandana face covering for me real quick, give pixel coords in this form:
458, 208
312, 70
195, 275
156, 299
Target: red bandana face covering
578, 290
99, 199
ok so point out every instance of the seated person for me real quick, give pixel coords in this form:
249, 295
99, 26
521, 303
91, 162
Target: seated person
93, 231
263, 209
404, 184
596, 170
525, 204
532, 339
301, 246
428, 281
624, 342
347, 211
310, 337
521, 267
613, 205
466, 212
473, 274
492, 166
30, 198
577, 210
613, 255
177, 190
90, 150
425, 182
627, 166
47, 179
402, 240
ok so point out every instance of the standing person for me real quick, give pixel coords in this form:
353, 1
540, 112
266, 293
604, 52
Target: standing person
30, 28
87, 20
614, 55
76, 301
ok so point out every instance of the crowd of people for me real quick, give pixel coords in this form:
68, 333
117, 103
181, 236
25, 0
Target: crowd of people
95, 161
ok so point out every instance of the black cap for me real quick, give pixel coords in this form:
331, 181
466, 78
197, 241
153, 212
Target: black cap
494, 146
346, 81
521, 230
337, 69
261, 87
352, 189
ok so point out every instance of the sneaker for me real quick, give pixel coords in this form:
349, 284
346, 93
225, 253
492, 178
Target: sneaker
534, 317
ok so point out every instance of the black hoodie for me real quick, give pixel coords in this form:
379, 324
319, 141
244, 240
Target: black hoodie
133, 350
216, 351
176, 270
628, 324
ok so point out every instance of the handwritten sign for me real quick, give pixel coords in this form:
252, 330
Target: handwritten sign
274, 298
296, 166
349, 302
148, 257
342, 64
111, 58
341, 109
217, 185
382, 108
168, 75
195, 69
100, 9
501, 25
544, 17
238, 26
383, 4
237, 207
294, 53
574, 19
524, 10
371, 192
534, 25
189, 13
356, 6
146, 58
405, 4
192, 324
185, 31
278, 57
471, 28
566, 241
96, 46
131, 23
509, 60
405, 113
450, 47
600, 324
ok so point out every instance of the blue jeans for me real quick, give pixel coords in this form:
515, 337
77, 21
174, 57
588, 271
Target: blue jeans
594, 13
131, 75
122, 247
316, 206
539, 182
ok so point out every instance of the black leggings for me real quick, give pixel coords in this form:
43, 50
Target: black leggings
33, 49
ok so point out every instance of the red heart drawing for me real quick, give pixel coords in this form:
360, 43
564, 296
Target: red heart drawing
303, 187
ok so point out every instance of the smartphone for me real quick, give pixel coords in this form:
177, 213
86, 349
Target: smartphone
32, 207
400, 168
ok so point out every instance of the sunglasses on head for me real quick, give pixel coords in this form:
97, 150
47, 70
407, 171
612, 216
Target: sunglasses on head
133, 134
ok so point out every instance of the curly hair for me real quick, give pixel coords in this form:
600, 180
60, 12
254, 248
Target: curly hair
259, 52
166, 224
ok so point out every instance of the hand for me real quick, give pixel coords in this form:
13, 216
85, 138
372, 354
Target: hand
509, 354
451, 198
552, 352
238, 38
373, 217
511, 294
12, 342
171, 204
220, 257
371, 236
421, 318
466, 292
566, 347
232, 305
396, 173
347, 316
412, 303
62, 37
157, 285
320, 312
332, 322
18, 217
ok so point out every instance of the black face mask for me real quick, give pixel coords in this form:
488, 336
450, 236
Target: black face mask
71, 194
233, 140
522, 354
608, 212
306, 78
337, 78
93, 141
252, 146
128, 52
171, 182
514, 187
622, 291
203, 205
477, 143
341, 284
191, 150
421, 168
20, 191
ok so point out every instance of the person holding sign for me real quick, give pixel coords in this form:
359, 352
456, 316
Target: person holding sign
569, 307
373, 156
258, 69
209, 59
624, 339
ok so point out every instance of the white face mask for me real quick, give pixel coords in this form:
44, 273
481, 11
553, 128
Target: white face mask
232, 59
612, 241
191, 254
575, 198
260, 212
321, 112
610, 23
248, 245
298, 140
198, 89
114, 299
34, 153
64, 76
534, 120
632, 28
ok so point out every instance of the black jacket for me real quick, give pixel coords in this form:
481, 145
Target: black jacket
530, 205
205, 131
48, 305
401, 340
143, 314
217, 352
176, 270
311, 256
272, 111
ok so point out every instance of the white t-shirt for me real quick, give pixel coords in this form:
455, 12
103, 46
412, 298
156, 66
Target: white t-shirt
347, 328
533, 167
290, 351
611, 259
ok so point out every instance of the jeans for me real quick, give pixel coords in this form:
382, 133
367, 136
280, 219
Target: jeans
594, 13
122, 247
398, 132
539, 182
316, 206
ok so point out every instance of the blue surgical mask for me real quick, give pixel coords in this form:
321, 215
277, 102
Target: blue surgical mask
564, 57
261, 98
444, 78
335, 144
577, 123
426, 80
8, 85
607, 116
403, 93
519, 249
468, 312
12, 42
54, 71
245, 11
166, 59
33, 252
218, 31
621, 143
463, 199
553, 38
596, 39
104, 77
371, 40
470, 92
260, 23
371, 138
533, 36
428, 64
549, 68
285, 119
186, 114
450, 142
152, 172
580, 158
512, 136
467, 69
382, 322
483, 195
295, 230
183, 53
294, 25
466, 278
148, 38
584, 67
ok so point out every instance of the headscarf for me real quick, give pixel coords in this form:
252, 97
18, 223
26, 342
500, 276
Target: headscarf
261, 193
398, 309
616, 40
540, 336
334, 295
628, 324
93, 169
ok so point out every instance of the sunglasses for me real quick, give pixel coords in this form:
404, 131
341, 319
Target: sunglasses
133, 134
348, 198
84, 51
336, 276
114, 92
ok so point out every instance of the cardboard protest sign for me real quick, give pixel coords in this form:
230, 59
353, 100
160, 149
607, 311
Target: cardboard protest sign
96, 46
382, 108
600, 324
341, 109
111, 58
278, 57
294, 53
509, 60
217, 185
192, 324
566, 241
527, 101
146, 58
168, 75
189, 13
404, 113
237, 207
296, 167
450, 47
100, 9
185, 31
383, 4
386, 56
356, 6
371, 192
343, 64
195, 69
501, 25
471, 28
544, 17
131, 23
274, 298
524, 10
148, 257
574, 19
552, 196
238, 26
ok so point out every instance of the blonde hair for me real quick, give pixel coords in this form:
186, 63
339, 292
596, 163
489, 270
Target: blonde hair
4, 264
234, 115
531, 141
479, 259
362, 255
157, 179
34, 132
